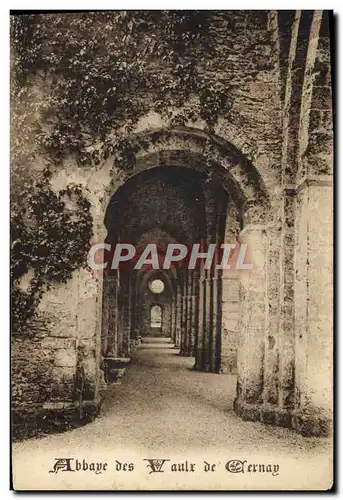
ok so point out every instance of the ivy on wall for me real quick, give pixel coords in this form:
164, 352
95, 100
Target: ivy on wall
48, 238
106, 70
99, 73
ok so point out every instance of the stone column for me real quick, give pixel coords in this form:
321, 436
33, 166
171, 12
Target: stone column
112, 290
231, 307
278, 376
199, 348
208, 312
89, 375
178, 316
195, 312
231, 312
172, 320
133, 300
105, 315
216, 327
314, 240
216, 336
175, 314
211, 209
184, 330
253, 325
314, 306
126, 305
190, 312
120, 321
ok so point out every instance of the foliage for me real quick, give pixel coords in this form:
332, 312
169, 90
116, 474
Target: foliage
49, 239
79, 85
106, 70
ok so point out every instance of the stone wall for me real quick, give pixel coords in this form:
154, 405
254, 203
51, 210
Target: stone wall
272, 154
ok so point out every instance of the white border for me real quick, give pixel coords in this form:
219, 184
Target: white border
4, 177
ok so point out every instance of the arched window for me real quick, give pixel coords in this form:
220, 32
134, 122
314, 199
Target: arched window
156, 316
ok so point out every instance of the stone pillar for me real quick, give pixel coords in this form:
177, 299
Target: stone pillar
190, 312
314, 240
175, 313
314, 306
184, 330
199, 348
208, 311
172, 320
73, 345
216, 336
133, 300
121, 318
273, 337
231, 312
105, 315
195, 312
206, 326
231, 308
206, 333
253, 325
178, 313
216, 330
60, 303
126, 306
112, 290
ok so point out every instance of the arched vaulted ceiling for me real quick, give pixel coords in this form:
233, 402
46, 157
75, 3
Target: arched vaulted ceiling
168, 201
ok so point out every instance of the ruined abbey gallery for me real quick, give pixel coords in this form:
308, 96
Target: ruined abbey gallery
261, 175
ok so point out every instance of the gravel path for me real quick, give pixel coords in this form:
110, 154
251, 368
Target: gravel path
163, 404
164, 409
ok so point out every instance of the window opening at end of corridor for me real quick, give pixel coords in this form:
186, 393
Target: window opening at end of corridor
156, 317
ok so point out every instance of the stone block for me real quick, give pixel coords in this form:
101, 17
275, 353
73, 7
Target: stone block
65, 358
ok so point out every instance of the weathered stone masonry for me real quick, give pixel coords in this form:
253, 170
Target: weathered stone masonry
268, 183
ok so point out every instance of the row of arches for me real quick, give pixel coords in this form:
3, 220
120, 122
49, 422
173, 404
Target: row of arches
177, 197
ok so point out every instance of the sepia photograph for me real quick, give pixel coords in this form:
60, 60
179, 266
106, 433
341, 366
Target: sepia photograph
171, 250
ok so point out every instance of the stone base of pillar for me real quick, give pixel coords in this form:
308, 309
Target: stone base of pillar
134, 344
114, 368
202, 368
29, 420
197, 367
268, 414
312, 424
185, 354
307, 424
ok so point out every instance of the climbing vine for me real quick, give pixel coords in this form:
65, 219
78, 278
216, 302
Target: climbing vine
106, 70
80, 83
49, 239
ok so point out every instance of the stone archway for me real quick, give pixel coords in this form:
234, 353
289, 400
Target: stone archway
207, 305
241, 212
